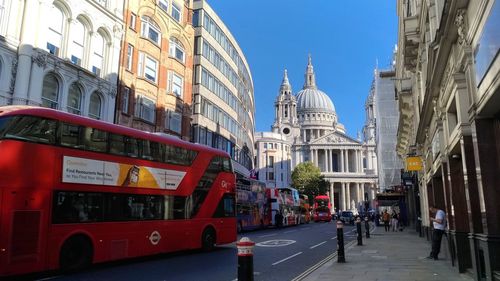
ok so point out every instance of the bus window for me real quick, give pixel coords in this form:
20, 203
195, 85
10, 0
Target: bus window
4, 124
33, 129
71, 207
117, 144
70, 135
95, 140
225, 208
226, 164
131, 147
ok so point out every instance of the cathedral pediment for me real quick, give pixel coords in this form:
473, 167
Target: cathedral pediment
334, 138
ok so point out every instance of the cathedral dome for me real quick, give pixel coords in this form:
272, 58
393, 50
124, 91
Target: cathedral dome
310, 98
314, 99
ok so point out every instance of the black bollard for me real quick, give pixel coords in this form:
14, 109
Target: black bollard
340, 242
245, 259
367, 227
358, 228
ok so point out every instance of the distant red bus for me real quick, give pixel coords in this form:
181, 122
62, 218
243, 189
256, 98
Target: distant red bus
76, 191
322, 208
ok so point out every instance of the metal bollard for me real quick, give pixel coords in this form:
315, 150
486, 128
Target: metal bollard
340, 242
367, 227
358, 229
245, 259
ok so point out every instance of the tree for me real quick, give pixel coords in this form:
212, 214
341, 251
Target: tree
307, 179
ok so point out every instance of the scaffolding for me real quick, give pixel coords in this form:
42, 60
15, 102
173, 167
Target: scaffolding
387, 117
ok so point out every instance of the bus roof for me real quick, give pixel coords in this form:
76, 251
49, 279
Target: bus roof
12, 110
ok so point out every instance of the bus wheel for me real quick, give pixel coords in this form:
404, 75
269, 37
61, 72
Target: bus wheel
208, 240
76, 253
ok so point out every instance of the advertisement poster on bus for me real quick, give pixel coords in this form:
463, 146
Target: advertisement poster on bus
88, 171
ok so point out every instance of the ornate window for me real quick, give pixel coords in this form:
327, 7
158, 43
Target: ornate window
98, 54
176, 84
176, 11
74, 99
55, 31
150, 30
95, 107
163, 4
77, 46
147, 67
50, 91
176, 50
145, 109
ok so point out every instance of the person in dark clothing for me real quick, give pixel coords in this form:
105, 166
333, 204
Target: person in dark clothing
278, 219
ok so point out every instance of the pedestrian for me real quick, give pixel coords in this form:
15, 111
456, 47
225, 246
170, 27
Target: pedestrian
386, 218
439, 224
278, 219
394, 221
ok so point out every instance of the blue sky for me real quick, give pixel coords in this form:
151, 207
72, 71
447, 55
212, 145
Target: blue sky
344, 38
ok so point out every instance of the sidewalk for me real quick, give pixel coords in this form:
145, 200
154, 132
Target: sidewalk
390, 256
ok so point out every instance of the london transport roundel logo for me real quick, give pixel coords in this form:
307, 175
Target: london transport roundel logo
155, 237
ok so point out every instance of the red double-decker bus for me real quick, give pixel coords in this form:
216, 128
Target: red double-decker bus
76, 191
322, 208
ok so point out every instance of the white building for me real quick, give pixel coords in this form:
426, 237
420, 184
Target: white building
61, 54
223, 98
310, 125
273, 159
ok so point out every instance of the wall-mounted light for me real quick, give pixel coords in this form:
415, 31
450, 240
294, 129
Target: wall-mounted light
455, 156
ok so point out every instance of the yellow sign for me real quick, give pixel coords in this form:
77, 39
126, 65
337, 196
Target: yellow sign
413, 163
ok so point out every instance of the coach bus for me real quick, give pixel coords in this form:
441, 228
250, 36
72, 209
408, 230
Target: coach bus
76, 191
252, 205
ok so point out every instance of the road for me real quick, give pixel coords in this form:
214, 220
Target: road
279, 254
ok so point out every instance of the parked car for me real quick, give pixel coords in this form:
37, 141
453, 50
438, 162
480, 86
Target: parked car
347, 217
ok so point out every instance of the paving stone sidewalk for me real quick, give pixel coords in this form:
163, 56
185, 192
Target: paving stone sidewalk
390, 256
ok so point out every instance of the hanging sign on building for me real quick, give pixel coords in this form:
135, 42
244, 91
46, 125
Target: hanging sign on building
414, 163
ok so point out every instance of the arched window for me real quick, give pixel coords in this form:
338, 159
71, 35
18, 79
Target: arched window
95, 106
55, 32
50, 91
176, 50
77, 46
150, 30
97, 54
75, 99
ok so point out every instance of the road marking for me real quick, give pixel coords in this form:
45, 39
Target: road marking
275, 243
290, 231
312, 247
333, 238
267, 235
285, 259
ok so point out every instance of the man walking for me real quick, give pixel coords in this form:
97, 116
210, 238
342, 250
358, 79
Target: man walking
439, 223
386, 218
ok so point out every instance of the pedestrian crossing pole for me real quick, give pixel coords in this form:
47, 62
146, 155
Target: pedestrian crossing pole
340, 242
245, 259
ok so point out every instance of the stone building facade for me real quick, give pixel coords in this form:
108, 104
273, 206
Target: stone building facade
448, 89
61, 54
156, 67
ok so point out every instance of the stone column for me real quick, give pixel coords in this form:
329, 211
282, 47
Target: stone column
358, 197
343, 196
348, 195
347, 160
316, 159
328, 160
362, 191
332, 197
341, 164
25, 51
